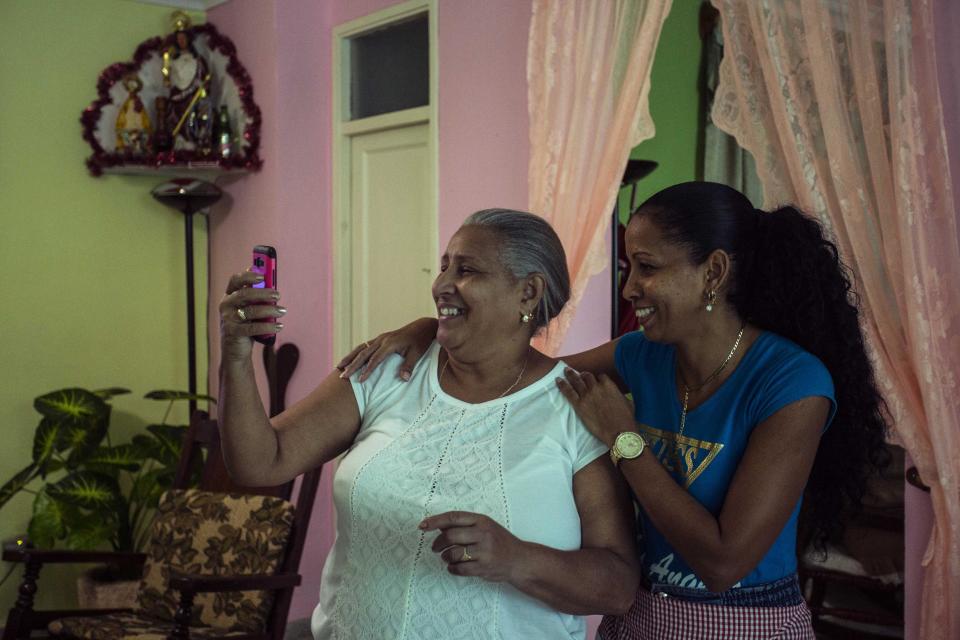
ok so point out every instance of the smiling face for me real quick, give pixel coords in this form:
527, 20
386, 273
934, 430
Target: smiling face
665, 288
478, 300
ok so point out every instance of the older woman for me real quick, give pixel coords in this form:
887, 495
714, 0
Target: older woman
471, 502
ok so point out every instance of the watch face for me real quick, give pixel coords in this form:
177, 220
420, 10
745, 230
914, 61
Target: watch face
629, 445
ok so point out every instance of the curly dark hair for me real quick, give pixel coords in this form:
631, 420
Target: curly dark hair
787, 278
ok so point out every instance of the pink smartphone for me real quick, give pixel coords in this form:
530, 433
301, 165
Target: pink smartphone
265, 263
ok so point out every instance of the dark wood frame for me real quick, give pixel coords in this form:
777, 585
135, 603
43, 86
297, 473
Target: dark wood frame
202, 434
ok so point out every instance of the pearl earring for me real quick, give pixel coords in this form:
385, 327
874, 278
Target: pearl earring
525, 317
711, 298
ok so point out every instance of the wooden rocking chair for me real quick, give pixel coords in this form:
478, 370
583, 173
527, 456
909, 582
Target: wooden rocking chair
222, 560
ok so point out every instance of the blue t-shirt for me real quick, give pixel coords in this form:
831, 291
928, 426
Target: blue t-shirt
772, 374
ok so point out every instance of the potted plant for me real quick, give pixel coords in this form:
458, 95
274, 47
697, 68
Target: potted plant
90, 493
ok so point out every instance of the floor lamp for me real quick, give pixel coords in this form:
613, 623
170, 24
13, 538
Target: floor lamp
189, 196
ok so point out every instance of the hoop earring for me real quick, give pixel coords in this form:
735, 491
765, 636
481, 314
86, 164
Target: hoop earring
525, 317
711, 298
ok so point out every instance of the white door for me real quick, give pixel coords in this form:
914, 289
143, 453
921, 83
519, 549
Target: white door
393, 230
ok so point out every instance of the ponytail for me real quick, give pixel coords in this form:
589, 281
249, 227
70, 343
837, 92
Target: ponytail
800, 289
787, 278
795, 278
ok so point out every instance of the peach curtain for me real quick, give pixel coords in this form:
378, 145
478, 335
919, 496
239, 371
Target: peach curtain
839, 103
588, 71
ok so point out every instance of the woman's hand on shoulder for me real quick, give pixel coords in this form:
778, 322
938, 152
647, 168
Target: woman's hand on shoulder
472, 544
410, 341
599, 403
245, 312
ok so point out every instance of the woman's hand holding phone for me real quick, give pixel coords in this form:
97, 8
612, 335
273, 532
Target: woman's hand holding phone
249, 310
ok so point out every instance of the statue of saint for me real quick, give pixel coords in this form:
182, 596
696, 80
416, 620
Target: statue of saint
133, 122
189, 119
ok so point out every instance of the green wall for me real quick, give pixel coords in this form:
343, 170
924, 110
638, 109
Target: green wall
93, 268
674, 104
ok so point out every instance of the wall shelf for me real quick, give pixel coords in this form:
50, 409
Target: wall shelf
187, 5
201, 170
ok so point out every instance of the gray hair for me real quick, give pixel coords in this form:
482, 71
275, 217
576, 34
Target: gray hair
530, 245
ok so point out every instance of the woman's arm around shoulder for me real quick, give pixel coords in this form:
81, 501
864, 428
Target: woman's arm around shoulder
410, 342
600, 361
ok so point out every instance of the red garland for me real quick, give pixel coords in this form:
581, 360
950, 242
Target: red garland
101, 159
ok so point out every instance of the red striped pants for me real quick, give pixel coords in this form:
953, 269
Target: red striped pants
669, 618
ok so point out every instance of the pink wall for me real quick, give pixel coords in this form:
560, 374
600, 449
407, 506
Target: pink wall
484, 132
590, 326
233, 231
285, 46
483, 154
484, 139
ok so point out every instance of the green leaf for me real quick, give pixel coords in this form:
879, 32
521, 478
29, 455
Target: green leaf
90, 531
148, 488
147, 447
71, 404
84, 437
123, 539
167, 394
47, 524
170, 438
83, 442
87, 489
74, 419
109, 460
54, 465
17, 482
109, 392
47, 440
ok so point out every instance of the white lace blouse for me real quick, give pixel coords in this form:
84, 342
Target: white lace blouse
421, 452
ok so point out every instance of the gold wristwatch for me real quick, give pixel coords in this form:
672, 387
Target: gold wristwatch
628, 445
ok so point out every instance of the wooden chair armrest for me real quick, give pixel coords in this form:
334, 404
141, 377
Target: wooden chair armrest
190, 585
59, 556
255, 582
43, 617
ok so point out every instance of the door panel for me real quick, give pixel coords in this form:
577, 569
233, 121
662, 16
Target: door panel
393, 237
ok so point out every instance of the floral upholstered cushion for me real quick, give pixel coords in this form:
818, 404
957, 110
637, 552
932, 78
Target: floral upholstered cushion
127, 626
215, 534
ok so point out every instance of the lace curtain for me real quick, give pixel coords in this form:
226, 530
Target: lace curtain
588, 73
724, 161
839, 103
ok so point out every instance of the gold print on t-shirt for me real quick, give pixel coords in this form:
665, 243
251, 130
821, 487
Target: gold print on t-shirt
685, 456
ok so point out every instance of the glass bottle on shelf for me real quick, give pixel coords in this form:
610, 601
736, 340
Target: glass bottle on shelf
223, 134
162, 141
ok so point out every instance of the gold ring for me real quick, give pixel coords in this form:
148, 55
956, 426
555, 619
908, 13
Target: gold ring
366, 345
242, 314
466, 557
